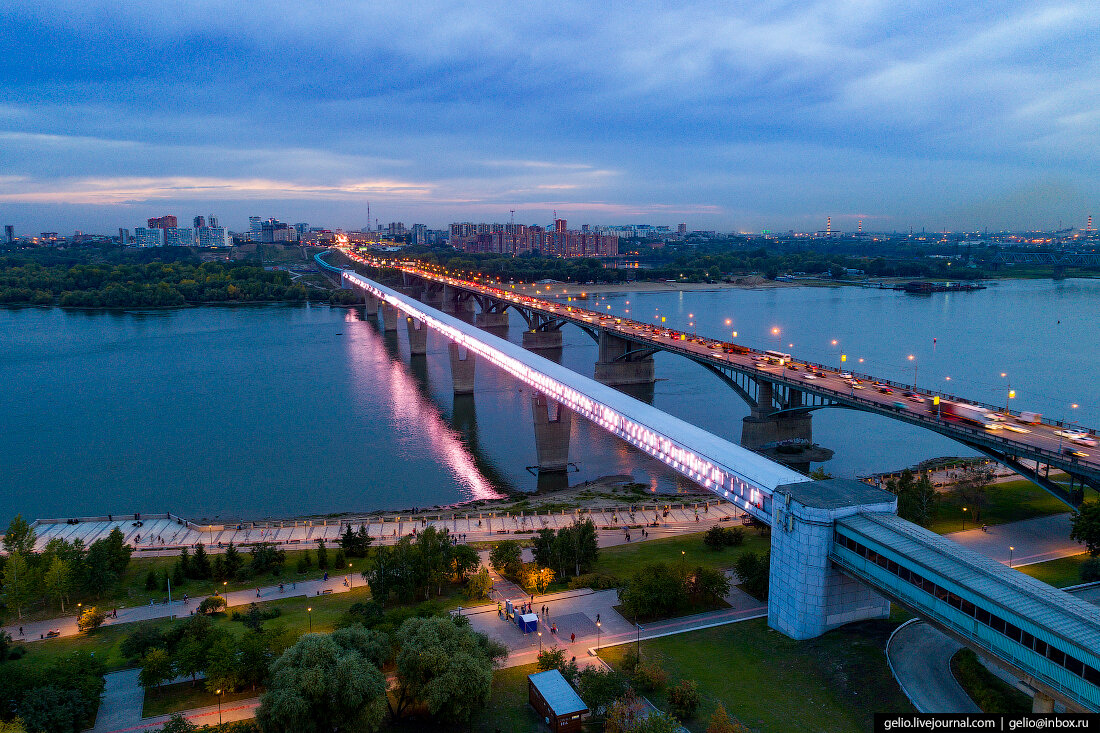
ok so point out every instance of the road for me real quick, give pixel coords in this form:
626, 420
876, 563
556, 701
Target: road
905, 402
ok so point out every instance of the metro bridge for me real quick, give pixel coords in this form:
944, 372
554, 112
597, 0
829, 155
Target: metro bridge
781, 397
839, 553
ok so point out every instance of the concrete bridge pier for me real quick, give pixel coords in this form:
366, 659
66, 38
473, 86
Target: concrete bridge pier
491, 320
370, 305
462, 368
616, 366
389, 317
553, 421
418, 336
541, 340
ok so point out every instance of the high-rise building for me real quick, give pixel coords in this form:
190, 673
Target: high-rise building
9, 234
179, 237
419, 233
559, 226
255, 224
212, 221
213, 237
682, 229
199, 222
162, 222
148, 237
302, 229
124, 238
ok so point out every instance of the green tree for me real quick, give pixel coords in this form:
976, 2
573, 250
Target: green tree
683, 699
479, 585
322, 555
654, 591
507, 558
266, 557
18, 582
434, 548
555, 658
445, 666
318, 686
599, 687
178, 724
1085, 528
156, 669
753, 568
628, 714
12, 726
53, 708
356, 544
101, 573
223, 667
55, 581
464, 560
117, 550
200, 564
91, 618
255, 657
708, 585
233, 561
151, 580
19, 537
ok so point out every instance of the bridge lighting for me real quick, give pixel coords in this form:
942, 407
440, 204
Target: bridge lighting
728, 322
834, 342
775, 330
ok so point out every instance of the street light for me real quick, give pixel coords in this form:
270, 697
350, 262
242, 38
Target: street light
219, 694
351, 578
540, 642
964, 518
1011, 549
597, 637
309, 612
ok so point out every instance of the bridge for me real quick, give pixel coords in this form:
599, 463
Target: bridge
781, 397
839, 553
1057, 259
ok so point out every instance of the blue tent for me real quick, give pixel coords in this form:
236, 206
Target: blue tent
527, 622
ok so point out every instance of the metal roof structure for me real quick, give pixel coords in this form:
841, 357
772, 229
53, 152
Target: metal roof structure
737, 474
558, 694
1067, 616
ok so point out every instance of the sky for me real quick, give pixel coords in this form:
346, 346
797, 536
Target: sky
722, 115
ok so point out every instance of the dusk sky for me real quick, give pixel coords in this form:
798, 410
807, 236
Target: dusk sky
729, 116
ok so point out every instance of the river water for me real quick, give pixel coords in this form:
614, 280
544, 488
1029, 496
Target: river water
278, 411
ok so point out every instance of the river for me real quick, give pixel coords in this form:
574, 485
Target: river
275, 411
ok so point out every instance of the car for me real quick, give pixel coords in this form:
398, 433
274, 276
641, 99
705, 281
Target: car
845, 375
1015, 428
808, 375
884, 389
1085, 440
855, 384
1071, 451
793, 367
900, 406
1069, 433
914, 397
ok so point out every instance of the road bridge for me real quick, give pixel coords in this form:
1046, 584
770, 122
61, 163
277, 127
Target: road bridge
780, 396
839, 553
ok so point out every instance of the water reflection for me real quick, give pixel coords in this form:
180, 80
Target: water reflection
416, 421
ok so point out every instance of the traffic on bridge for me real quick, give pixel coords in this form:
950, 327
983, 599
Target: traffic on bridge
1005, 435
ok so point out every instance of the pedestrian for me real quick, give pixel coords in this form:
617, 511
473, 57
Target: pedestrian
573, 640
20, 631
257, 592
554, 629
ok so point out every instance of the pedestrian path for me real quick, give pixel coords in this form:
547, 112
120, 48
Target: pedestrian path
1025, 542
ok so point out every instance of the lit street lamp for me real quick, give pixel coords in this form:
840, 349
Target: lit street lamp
351, 578
914, 360
964, 518
309, 612
540, 642
219, 694
597, 637
1011, 549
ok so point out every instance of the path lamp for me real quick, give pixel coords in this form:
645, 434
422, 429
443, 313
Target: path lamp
219, 694
351, 578
1011, 549
964, 518
309, 612
540, 642
597, 637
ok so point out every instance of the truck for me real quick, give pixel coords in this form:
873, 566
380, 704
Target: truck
1029, 418
973, 414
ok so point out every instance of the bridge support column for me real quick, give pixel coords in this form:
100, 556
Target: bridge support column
552, 429
615, 367
491, 319
540, 340
389, 317
807, 595
370, 305
418, 336
462, 369
1042, 703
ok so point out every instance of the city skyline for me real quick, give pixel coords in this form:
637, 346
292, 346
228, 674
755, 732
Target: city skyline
773, 117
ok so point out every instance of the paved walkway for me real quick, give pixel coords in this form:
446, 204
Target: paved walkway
121, 702
920, 657
1035, 540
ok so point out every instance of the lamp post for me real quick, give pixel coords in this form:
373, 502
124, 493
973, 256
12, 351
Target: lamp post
913, 359
597, 637
1011, 549
540, 642
964, 518
351, 578
309, 612
219, 694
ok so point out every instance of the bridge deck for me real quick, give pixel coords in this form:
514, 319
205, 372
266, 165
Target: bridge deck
733, 472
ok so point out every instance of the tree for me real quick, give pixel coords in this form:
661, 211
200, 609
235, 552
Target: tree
719, 537
1090, 570
628, 714
599, 687
233, 561
319, 686
151, 580
255, 657
56, 582
91, 618
721, 722
434, 548
445, 666
356, 544
916, 496
380, 573
1085, 528
654, 591
973, 486
684, 699
12, 726
479, 585
753, 569
464, 560
17, 582
53, 708
322, 555
555, 659
223, 669
535, 579
156, 668
19, 537
211, 604
200, 563
507, 558
101, 573
118, 552
708, 585
178, 724
265, 557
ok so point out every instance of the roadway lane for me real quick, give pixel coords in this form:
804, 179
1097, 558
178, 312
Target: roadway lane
901, 401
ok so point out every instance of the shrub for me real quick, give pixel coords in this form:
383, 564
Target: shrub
649, 676
91, 618
753, 569
989, 692
595, 581
722, 722
1090, 570
630, 660
213, 604
719, 537
684, 699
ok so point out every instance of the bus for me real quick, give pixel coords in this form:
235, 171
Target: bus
777, 357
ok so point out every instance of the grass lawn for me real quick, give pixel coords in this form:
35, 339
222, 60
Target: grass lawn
1011, 501
186, 696
623, 560
508, 709
1064, 571
771, 683
103, 643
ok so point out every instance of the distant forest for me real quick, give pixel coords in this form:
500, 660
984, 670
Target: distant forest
116, 278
